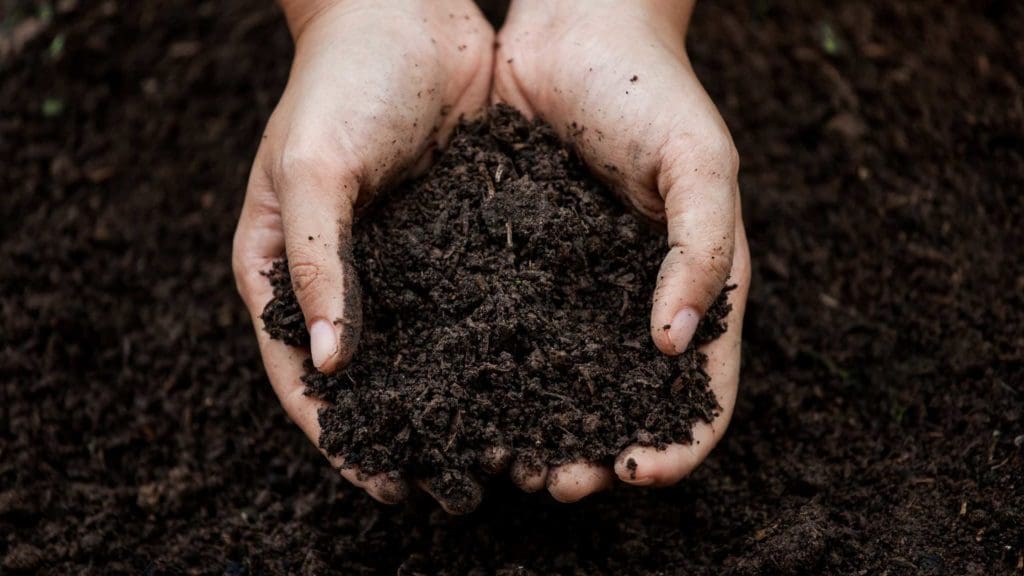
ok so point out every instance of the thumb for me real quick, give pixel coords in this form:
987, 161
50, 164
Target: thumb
316, 210
700, 202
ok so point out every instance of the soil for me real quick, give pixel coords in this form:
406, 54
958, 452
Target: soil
506, 305
879, 424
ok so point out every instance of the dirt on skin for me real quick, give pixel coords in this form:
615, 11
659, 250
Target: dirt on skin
507, 297
878, 427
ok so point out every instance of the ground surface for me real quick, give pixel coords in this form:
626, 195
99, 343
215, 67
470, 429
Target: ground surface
879, 425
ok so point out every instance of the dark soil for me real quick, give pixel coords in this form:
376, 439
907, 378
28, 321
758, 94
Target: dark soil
506, 305
879, 425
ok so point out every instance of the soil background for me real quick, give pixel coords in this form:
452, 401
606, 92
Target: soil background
880, 423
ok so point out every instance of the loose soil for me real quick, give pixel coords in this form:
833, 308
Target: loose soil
506, 305
879, 424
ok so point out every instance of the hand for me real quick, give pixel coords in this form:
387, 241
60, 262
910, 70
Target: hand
614, 78
374, 85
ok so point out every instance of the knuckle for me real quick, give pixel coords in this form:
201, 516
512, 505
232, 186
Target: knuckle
718, 154
711, 153
307, 277
310, 163
300, 162
707, 269
716, 263
715, 269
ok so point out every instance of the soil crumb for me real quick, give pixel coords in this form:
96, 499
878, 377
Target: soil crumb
507, 297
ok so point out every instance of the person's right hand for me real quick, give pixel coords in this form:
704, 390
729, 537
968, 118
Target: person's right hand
374, 85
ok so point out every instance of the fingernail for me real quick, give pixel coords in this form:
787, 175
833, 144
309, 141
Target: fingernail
684, 325
631, 466
628, 471
322, 342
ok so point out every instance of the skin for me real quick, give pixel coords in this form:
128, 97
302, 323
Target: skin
375, 84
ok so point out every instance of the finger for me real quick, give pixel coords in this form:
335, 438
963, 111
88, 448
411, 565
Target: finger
700, 192
528, 474
316, 212
574, 481
647, 466
457, 492
258, 242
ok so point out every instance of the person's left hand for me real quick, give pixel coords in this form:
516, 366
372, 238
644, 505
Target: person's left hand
613, 77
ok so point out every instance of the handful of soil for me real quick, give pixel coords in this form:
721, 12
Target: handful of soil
506, 300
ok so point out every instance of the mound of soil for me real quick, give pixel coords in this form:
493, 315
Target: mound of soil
880, 422
507, 298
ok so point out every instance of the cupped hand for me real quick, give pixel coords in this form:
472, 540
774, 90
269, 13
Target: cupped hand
614, 78
374, 85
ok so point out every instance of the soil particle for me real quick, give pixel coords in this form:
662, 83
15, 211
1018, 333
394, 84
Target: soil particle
507, 296
23, 557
